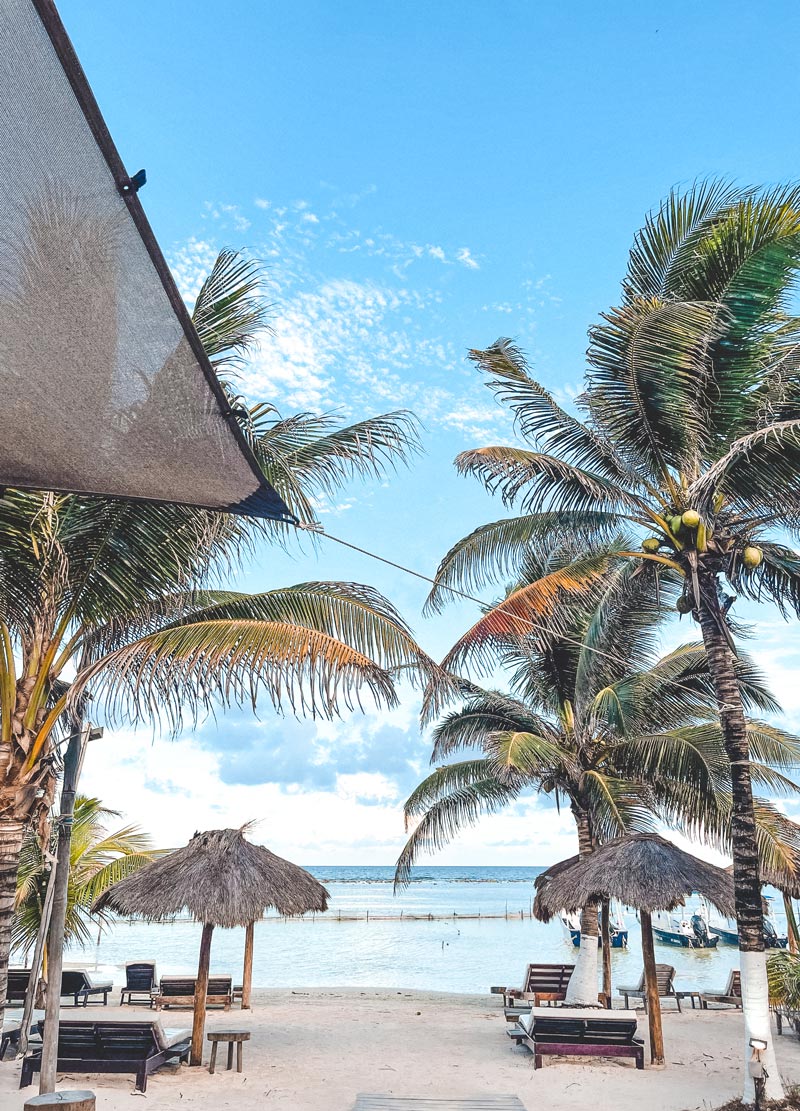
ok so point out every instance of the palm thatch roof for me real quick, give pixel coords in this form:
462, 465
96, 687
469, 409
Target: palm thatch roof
220, 879
642, 870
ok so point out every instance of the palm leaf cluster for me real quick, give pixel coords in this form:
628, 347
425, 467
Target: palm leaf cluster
98, 859
593, 719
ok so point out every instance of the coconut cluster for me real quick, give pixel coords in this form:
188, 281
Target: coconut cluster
688, 529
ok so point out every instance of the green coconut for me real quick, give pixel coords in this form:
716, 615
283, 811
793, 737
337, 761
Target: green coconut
752, 556
684, 604
691, 518
651, 544
675, 524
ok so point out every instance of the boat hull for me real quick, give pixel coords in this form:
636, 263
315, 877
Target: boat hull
730, 937
619, 940
671, 937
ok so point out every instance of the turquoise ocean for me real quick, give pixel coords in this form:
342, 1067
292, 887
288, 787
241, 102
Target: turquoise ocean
372, 938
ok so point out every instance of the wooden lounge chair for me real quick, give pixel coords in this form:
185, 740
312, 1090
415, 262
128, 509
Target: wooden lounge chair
126, 1047
140, 983
571, 1032
665, 974
543, 983
18, 980
82, 987
178, 991
732, 993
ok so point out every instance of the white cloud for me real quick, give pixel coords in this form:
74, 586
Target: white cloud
465, 258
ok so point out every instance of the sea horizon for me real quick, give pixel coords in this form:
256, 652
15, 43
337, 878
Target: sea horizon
454, 928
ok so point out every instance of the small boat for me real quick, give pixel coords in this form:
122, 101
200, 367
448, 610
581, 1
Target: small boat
689, 930
619, 931
729, 934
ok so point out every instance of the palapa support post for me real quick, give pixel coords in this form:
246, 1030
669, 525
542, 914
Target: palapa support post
247, 970
651, 990
200, 993
791, 923
605, 931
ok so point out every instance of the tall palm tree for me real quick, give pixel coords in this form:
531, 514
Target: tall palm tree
622, 739
692, 432
129, 601
98, 859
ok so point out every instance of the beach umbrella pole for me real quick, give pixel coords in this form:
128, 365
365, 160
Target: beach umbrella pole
200, 993
247, 971
605, 930
791, 923
651, 990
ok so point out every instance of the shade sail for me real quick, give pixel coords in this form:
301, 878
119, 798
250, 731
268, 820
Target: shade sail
105, 386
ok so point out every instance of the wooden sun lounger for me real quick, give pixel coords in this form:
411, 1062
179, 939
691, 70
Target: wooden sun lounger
542, 983
665, 974
573, 1032
178, 991
18, 979
82, 987
140, 983
123, 1047
732, 993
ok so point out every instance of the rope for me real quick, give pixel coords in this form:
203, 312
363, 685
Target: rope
320, 531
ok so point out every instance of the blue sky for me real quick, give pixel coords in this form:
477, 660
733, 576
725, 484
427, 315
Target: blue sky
419, 179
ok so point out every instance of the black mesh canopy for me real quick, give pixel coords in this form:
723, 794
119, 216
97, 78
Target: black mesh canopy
105, 386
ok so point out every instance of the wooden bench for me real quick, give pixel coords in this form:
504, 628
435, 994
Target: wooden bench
119, 1047
178, 991
573, 1032
543, 983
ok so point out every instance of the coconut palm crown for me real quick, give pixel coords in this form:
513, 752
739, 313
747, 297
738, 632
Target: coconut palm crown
691, 433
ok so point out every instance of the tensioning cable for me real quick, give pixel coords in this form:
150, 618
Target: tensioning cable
318, 530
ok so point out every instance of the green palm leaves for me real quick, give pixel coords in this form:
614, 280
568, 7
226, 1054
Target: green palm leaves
98, 859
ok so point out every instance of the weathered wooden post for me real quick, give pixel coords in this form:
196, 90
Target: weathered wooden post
200, 993
247, 971
651, 990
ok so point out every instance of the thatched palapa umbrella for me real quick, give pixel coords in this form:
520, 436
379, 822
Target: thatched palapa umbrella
221, 880
642, 870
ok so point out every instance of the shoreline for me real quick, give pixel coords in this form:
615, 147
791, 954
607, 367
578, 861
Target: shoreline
316, 1048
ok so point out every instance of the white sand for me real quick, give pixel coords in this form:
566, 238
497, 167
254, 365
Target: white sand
315, 1050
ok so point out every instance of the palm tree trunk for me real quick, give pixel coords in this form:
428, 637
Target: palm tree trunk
747, 882
11, 834
582, 987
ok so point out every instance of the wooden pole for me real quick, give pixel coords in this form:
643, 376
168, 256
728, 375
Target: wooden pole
200, 993
73, 761
791, 924
651, 990
606, 950
247, 971
32, 991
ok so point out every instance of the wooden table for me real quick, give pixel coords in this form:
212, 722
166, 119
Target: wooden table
233, 1038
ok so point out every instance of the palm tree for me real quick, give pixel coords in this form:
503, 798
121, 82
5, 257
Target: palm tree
692, 432
129, 600
98, 859
597, 724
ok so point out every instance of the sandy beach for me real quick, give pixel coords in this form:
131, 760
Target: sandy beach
315, 1050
